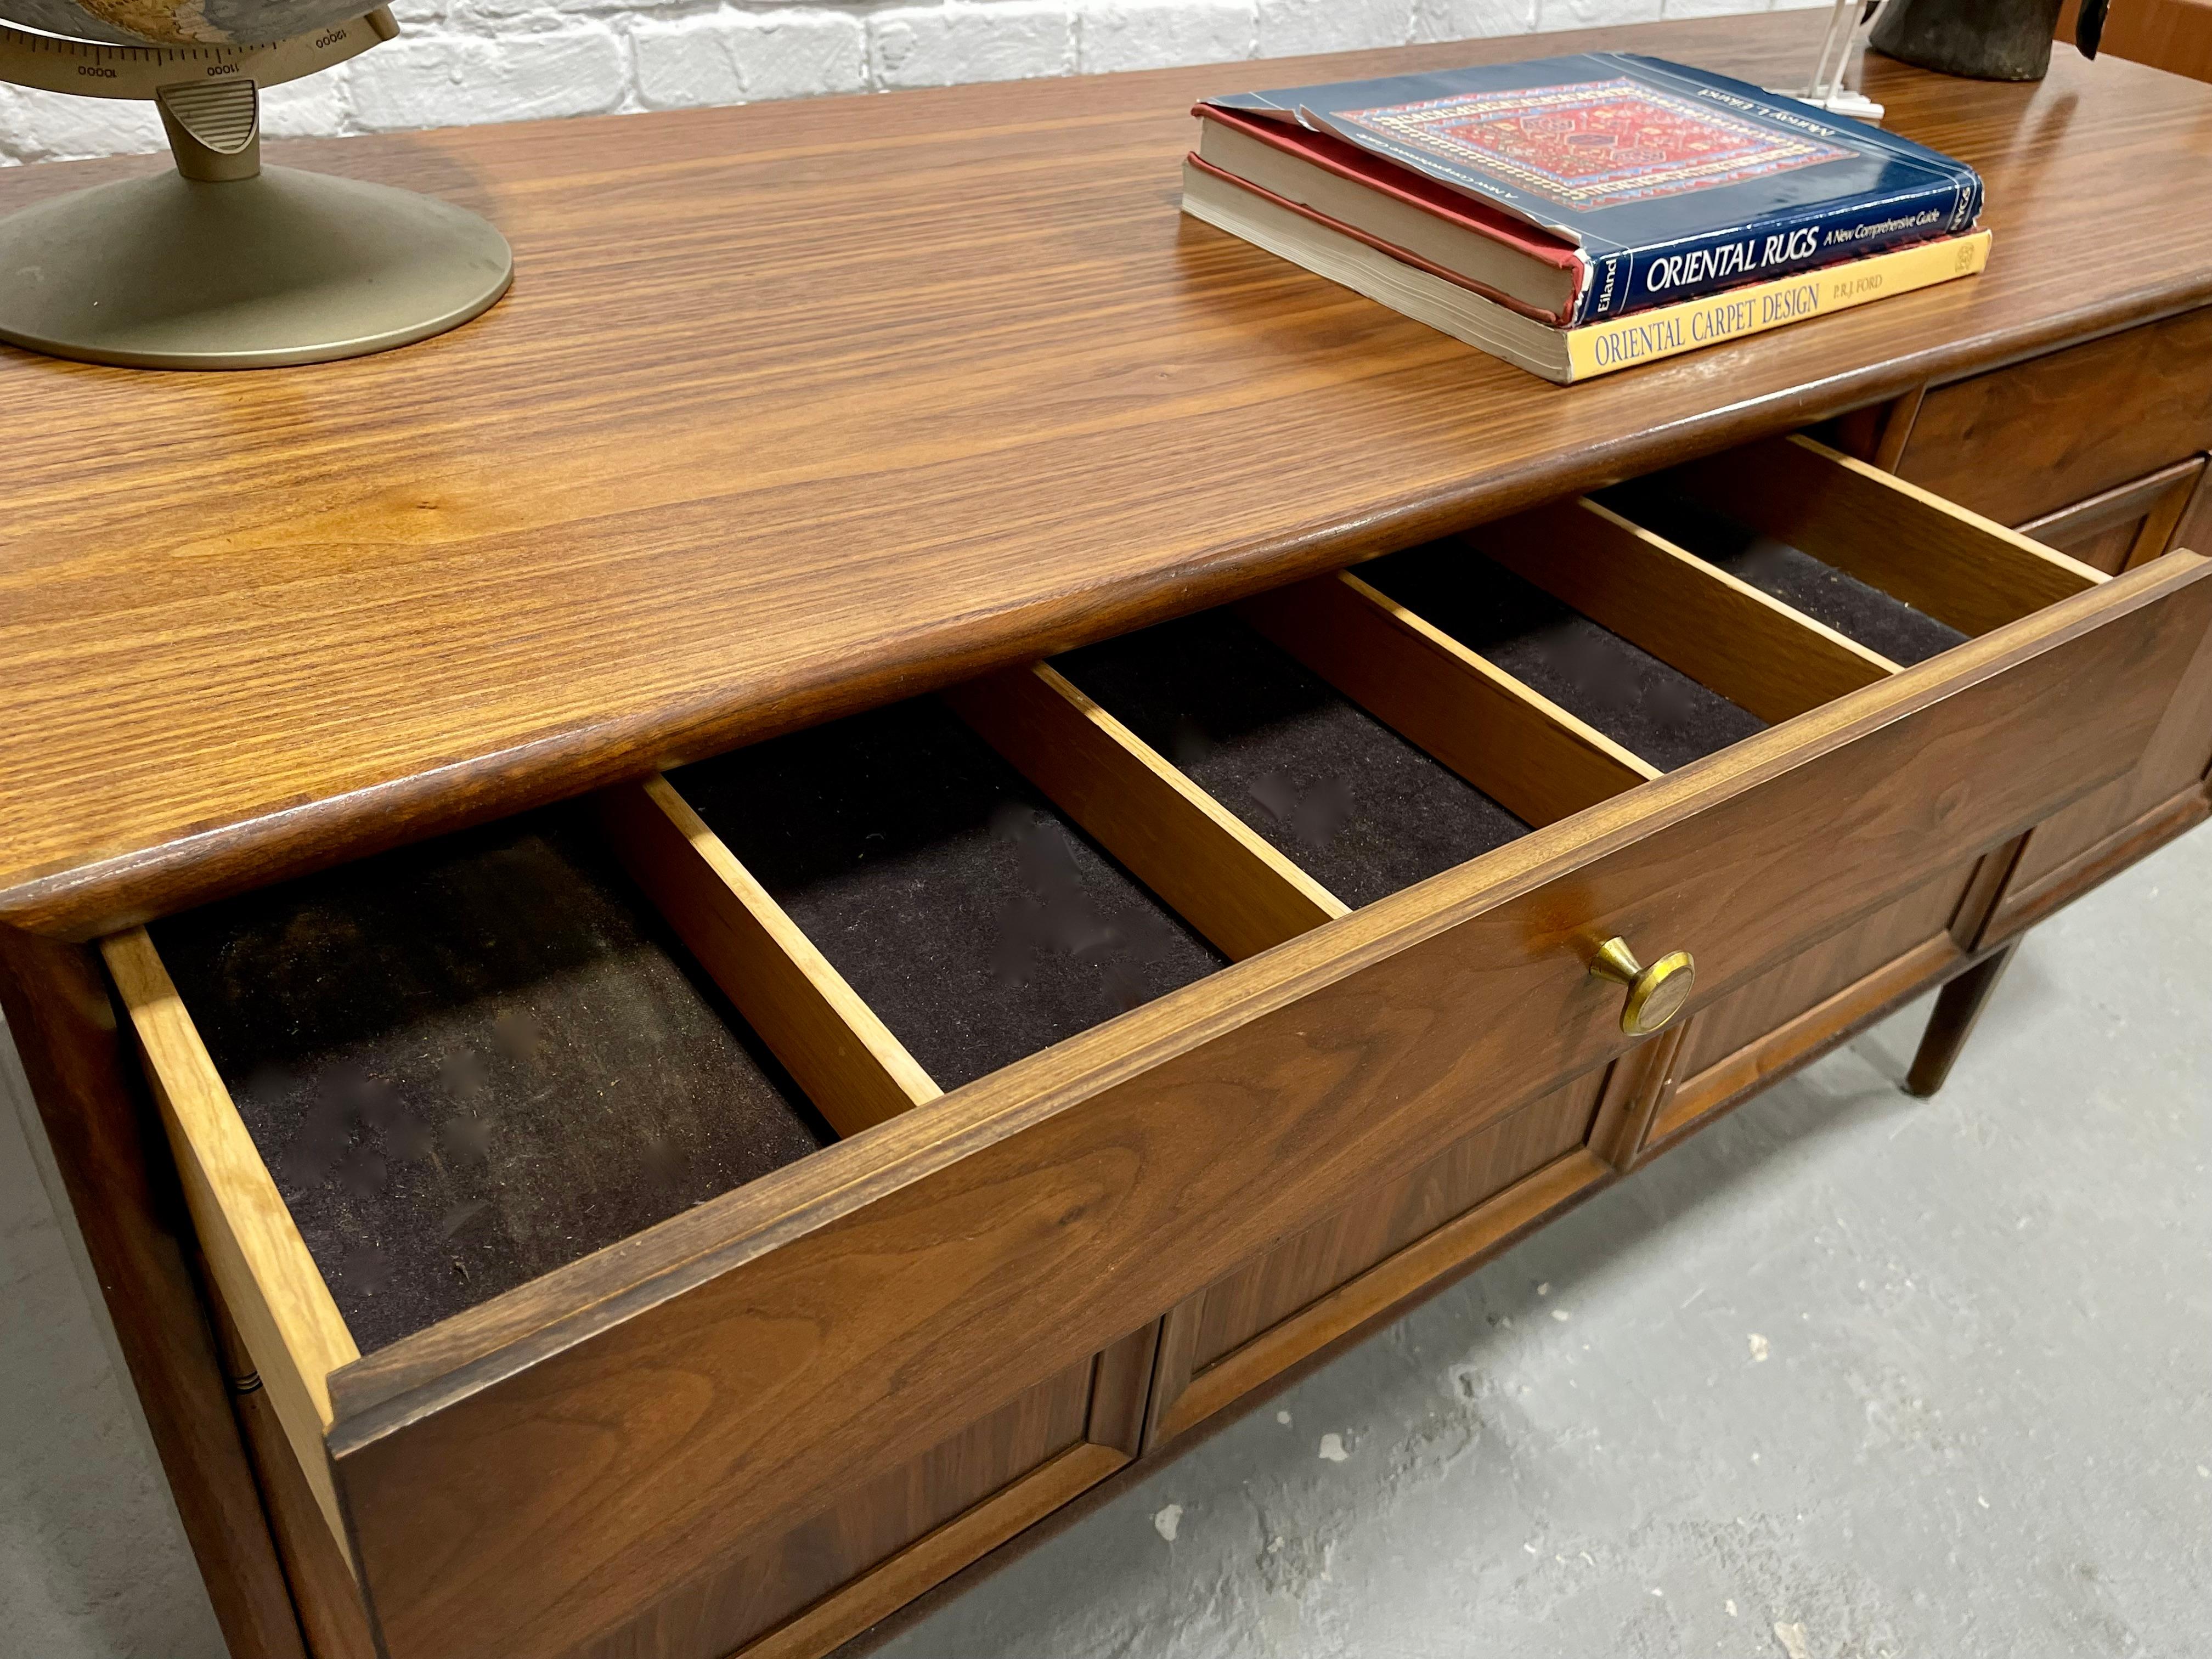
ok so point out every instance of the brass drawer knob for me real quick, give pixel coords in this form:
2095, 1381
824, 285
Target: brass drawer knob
1656, 994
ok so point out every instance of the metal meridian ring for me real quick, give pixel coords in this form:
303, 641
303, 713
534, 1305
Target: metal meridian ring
90, 69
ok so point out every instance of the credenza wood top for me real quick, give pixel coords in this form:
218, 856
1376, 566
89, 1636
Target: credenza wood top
801, 407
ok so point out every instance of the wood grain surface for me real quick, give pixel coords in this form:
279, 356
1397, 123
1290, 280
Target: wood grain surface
1262, 1292
1717, 628
2027, 440
1773, 999
2131, 525
797, 407
936, 1556
1964, 570
1221, 876
770, 1601
2026, 902
323, 1591
523, 1474
1524, 751
2079, 846
1182, 1398
854, 1070
2170, 34
1798, 1041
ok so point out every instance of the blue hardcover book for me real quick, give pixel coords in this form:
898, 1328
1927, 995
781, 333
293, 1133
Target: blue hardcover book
1666, 182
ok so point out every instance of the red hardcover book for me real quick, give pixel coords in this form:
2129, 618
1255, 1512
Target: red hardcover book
1421, 221
1317, 216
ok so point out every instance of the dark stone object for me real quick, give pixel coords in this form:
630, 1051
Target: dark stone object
1986, 40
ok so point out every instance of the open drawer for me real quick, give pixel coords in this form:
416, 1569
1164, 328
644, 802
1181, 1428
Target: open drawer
698, 1223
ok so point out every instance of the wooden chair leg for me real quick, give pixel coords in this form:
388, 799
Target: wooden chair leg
1958, 1007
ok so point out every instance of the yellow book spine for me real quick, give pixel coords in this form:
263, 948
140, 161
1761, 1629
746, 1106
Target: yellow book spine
1645, 336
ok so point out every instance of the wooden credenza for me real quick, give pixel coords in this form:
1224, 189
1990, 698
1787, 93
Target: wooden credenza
695, 953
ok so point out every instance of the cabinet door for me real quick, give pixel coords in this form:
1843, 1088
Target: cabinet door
2088, 842
1402, 1236
835, 1573
2127, 526
2093, 839
1792, 1016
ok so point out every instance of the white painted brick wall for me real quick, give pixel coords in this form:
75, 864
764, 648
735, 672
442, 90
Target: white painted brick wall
510, 60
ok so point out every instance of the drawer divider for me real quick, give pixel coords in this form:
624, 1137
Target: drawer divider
1760, 654
1957, 566
1206, 862
837, 1048
1523, 751
259, 1262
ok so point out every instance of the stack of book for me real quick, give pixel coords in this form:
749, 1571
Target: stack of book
1580, 214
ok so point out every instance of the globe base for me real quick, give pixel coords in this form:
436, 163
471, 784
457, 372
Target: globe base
283, 267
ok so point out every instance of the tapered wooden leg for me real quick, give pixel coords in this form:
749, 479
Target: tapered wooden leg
1958, 1005
114, 1166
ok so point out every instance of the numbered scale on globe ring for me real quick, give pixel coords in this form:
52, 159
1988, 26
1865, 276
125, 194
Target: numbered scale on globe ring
222, 263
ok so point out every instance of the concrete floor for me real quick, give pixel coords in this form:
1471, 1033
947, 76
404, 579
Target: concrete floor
1849, 1375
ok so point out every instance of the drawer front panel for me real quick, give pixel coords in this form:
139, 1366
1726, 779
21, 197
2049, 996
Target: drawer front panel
1792, 1014
752, 1598
2019, 442
1773, 1000
804, 1334
2110, 827
1284, 1305
2127, 526
1235, 1309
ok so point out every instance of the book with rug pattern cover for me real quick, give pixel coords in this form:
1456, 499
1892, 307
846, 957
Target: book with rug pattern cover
1445, 301
1665, 182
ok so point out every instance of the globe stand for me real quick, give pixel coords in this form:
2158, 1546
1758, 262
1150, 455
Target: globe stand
223, 263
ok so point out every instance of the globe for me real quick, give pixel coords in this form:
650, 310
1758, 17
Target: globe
222, 263
180, 23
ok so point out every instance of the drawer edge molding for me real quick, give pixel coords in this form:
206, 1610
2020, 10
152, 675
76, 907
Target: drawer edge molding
1957, 566
857, 1073
284, 1310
